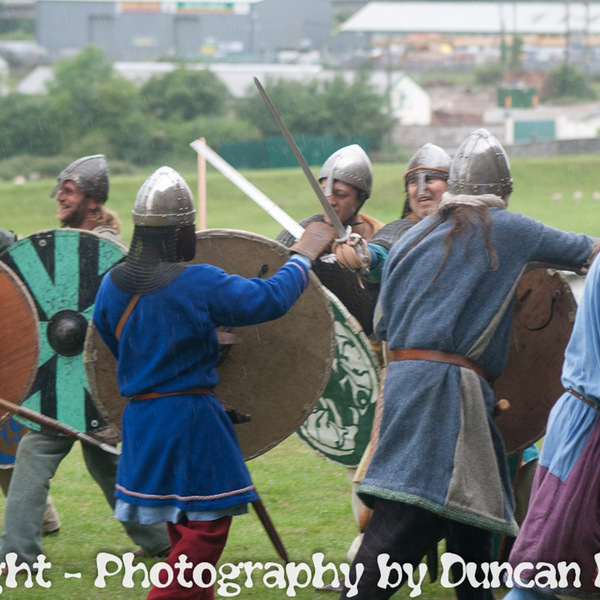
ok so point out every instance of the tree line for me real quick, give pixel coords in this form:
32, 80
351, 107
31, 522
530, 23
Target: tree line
90, 108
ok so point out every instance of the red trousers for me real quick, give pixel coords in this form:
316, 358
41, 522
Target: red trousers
201, 542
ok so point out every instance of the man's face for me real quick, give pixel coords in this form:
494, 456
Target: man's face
73, 207
426, 202
344, 200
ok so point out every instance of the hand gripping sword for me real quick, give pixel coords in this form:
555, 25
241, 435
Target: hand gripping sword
51, 423
340, 230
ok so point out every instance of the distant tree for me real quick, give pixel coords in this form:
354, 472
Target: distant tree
185, 94
565, 81
300, 105
80, 75
95, 105
86, 93
511, 55
516, 51
356, 109
29, 126
334, 107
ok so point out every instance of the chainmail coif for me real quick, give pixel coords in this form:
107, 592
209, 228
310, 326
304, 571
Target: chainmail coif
151, 263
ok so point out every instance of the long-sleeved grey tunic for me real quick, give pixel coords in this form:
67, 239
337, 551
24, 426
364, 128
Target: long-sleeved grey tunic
439, 447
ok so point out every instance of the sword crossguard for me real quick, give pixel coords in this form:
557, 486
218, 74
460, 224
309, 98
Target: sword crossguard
345, 236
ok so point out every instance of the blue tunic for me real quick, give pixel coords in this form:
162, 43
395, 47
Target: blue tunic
465, 308
11, 433
181, 451
563, 521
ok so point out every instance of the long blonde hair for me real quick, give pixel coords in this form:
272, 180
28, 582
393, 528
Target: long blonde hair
107, 217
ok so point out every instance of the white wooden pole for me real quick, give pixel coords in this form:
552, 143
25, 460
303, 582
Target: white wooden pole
201, 187
249, 189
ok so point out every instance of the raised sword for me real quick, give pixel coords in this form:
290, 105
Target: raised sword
340, 230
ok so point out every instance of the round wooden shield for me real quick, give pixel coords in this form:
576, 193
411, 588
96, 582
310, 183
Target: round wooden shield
19, 353
543, 320
62, 270
339, 427
19, 339
278, 370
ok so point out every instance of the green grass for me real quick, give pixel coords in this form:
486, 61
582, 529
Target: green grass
308, 498
290, 479
27, 208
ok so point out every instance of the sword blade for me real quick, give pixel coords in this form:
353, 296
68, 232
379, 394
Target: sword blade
331, 214
51, 423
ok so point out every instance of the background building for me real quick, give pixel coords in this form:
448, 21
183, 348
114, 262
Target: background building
189, 30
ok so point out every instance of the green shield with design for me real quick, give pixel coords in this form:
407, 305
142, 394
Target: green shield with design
339, 427
62, 270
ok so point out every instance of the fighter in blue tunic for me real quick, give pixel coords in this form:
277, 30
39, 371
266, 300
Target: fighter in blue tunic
446, 313
181, 461
562, 525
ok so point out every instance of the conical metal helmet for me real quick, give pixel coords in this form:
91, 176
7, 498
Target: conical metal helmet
480, 166
350, 165
428, 160
90, 173
164, 200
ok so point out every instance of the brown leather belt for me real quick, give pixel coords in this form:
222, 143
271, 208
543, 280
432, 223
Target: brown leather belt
437, 356
152, 395
583, 398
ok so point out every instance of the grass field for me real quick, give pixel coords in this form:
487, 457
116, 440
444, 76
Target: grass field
27, 208
307, 497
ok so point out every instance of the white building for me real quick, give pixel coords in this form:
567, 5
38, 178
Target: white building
410, 103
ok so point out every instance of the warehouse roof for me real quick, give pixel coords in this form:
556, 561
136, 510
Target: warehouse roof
476, 17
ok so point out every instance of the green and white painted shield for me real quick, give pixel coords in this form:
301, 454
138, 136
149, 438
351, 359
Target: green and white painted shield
339, 427
62, 270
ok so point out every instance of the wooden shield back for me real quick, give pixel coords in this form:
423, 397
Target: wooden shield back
62, 270
19, 339
276, 374
543, 320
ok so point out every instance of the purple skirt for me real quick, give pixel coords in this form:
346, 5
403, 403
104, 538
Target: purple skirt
563, 519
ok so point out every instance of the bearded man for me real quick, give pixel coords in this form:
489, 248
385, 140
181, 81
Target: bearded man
81, 191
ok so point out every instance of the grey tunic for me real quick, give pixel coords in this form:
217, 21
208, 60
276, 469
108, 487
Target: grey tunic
439, 447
